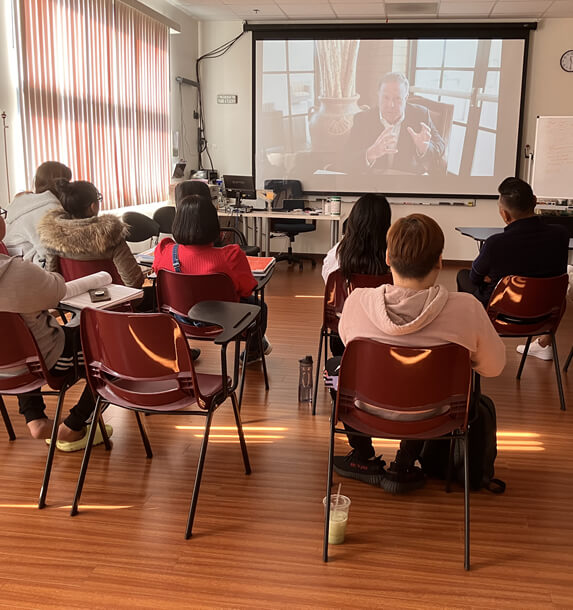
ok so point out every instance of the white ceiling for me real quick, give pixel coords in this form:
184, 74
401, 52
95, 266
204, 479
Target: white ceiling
347, 10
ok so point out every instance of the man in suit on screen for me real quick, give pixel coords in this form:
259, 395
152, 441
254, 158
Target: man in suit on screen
397, 136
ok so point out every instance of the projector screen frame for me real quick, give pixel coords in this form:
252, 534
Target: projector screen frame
395, 31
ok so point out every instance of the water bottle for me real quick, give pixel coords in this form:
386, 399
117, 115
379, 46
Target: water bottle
305, 380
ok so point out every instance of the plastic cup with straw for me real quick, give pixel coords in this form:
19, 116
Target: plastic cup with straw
339, 507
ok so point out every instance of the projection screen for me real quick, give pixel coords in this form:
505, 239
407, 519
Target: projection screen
427, 116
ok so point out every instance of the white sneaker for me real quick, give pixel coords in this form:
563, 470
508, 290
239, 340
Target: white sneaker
543, 353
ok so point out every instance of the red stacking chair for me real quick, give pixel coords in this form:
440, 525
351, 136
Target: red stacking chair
403, 393
22, 369
528, 307
72, 269
178, 292
141, 362
336, 291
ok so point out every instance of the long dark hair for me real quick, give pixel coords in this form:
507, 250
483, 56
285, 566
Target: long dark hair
196, 221
363, 247
76, 197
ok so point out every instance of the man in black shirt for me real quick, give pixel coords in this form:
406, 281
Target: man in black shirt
528, 246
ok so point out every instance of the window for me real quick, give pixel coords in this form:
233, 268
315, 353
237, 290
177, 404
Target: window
466, 74
94, 85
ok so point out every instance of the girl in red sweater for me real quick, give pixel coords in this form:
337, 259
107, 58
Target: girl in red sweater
195, 229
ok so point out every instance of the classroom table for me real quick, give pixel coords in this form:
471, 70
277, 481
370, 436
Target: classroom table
261, 223
480, 234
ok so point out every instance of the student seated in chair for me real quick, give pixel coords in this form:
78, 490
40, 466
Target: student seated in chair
413, 312
30, 291
28, 208
76, 230
528, 246
195, 230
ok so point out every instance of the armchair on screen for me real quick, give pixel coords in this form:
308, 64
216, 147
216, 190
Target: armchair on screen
442, 115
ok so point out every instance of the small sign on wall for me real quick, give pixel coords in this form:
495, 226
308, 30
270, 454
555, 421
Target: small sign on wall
225, 98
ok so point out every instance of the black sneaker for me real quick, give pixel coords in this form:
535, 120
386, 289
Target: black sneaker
402, 479
370, 471
195, 353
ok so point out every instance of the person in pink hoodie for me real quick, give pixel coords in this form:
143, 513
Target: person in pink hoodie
414, 312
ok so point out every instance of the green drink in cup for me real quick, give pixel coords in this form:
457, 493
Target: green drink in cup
339, 507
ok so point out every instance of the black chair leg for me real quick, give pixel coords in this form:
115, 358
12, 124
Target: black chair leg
86, 458
558, 373
450, 465
466, 504
7, 422
315, 391
523, 357
328, 487
243, 370
200, 464
106, 441
241, 435
568, 361
143, 432
263, 360
51, 452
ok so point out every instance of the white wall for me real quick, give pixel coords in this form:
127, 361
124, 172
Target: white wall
549, 92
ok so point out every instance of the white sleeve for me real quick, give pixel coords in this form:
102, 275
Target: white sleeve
330, 262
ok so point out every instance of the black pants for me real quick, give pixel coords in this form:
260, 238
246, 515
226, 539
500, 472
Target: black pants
409, 449
253, 348
32, 405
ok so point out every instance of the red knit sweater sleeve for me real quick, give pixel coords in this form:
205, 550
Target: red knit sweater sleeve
163, 258
241, 275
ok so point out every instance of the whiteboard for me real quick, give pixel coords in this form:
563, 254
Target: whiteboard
553, 158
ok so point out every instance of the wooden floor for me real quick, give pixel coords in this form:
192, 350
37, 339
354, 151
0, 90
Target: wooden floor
257, 539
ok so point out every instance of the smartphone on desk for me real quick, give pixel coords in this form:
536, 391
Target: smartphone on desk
99, 294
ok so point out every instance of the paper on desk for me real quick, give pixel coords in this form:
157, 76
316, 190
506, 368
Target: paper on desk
89, 282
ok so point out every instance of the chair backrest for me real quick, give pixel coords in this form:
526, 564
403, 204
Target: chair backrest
521, 306
404, 392
138, 360
283, 189
230, 235
140, 227
164, 217
338, 288
72, 269
22, 367
441, 113
178, 292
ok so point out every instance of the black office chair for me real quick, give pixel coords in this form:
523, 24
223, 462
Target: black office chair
287, 193
140, 227
164, 217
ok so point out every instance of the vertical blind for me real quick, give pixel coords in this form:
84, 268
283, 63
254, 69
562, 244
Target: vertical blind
94, 84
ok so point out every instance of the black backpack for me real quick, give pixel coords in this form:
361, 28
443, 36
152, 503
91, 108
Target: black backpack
482, 451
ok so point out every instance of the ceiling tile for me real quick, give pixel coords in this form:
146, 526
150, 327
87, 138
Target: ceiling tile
308, 11
371, 9
560, 8
465, 9
520, 8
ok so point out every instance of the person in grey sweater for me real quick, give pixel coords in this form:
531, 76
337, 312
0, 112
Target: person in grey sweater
29, 290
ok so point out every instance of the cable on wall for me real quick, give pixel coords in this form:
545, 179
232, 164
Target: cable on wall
202, 145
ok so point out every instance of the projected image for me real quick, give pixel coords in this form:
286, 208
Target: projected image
388, 115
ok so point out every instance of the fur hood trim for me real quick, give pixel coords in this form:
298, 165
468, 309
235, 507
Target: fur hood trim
60, 232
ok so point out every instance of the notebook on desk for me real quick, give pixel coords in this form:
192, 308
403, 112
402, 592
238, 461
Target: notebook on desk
261, 264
